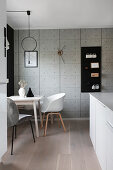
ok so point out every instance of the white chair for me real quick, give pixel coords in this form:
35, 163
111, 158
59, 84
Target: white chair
13, 118
53, 105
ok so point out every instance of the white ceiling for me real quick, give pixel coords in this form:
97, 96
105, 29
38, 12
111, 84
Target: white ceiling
61, 13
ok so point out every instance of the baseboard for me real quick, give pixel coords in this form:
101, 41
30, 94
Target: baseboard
81, 118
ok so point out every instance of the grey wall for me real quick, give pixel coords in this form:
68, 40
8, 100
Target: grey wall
3, 86
53, 76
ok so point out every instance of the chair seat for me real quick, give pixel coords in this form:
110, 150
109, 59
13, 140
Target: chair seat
22, 116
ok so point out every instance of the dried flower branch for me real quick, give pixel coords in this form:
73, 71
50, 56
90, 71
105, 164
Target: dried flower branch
22, 83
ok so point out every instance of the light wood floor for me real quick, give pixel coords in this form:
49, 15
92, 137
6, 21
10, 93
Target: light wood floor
57, 151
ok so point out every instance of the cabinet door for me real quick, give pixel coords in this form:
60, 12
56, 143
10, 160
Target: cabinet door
109, 146
92, 119
101, 134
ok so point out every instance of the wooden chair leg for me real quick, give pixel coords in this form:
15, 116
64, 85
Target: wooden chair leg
42, 120
62, 122
51, 119
46, 125
58, 121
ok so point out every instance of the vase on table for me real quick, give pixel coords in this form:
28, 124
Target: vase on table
21, 92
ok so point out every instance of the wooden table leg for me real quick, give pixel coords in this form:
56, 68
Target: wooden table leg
36, 121
40, 111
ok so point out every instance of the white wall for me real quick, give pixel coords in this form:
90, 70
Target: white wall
53, 76
3, 76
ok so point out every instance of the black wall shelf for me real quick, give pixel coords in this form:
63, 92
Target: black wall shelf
90, 69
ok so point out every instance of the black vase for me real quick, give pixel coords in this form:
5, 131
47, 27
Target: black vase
30, 93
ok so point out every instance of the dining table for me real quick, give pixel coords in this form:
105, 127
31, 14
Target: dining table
21, 101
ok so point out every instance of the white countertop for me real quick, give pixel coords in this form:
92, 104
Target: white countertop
104, 98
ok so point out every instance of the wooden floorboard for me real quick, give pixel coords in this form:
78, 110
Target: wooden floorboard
72, 150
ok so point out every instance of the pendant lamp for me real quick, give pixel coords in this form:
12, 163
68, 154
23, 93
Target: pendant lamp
29, 43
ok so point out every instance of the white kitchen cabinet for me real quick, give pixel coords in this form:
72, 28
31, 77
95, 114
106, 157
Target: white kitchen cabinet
98, 114
101, 113
109, 149
109, 139
92, 120
101, 128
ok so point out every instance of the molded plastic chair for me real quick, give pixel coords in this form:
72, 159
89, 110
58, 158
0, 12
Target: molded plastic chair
13, 118
53, 105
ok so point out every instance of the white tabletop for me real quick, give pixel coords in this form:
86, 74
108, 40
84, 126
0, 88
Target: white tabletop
18, 98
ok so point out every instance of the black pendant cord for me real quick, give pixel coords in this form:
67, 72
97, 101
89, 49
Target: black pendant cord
29, 59
28, 13
29, 25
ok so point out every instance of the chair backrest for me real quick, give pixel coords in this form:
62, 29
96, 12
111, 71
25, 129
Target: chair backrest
53, 103
12, 113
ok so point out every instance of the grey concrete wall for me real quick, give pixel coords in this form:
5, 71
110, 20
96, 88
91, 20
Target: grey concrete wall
3, 87
53, 76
